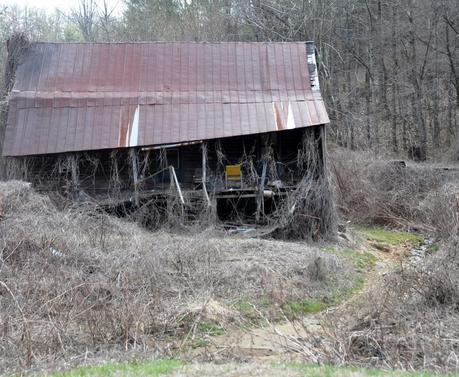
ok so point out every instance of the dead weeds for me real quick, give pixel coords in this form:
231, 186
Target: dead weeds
77, 281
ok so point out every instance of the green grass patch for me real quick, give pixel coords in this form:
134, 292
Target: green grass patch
389, 237
291, 309
138, 369
210, 328
362, 261
199, 342
310, 370
165, 367
338, 297
294, 309
266, 303
432, 249
247, 310
205, 329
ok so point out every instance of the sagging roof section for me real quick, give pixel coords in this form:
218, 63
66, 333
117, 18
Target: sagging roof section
90, 96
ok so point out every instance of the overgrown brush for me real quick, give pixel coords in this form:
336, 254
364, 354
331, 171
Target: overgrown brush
409, 321
75, 282
308, 212
406, 319
395, 193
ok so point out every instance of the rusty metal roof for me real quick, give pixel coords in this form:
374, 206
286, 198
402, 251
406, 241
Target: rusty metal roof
88, 96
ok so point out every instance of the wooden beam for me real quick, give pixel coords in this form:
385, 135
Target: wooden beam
135, 174
260, 196
177, 185
73, 159
204, 173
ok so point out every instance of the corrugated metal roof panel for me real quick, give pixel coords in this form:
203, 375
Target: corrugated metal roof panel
76, 96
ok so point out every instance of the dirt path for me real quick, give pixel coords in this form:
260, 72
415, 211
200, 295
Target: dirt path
285, 340
274, 342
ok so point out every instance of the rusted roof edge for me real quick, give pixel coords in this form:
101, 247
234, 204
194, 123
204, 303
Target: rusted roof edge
154, 146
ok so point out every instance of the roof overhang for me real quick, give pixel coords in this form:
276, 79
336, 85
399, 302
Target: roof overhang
80, 97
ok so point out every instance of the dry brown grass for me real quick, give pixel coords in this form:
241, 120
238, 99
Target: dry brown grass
76, 282
409, 320
376, 191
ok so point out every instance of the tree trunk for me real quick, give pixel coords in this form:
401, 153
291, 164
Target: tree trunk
368, 108
417, 97
394, 81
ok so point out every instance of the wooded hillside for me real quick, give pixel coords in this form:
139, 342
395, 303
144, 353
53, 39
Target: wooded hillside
389, 68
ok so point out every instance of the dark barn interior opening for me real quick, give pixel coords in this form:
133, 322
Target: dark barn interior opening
242, 180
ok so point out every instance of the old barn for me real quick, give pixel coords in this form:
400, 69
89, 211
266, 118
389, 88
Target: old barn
233, 129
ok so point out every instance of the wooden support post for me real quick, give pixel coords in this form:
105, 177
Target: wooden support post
177, 185
204, 173
114, 183
135, 174
260, 197
73, 159
323, 144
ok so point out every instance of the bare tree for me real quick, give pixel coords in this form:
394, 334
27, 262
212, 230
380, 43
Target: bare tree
85, 18
107, 19
390, 68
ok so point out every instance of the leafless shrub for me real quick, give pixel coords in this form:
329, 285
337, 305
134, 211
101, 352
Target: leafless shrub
408, 320
441, 209
308, 210
371, 190
76, 281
